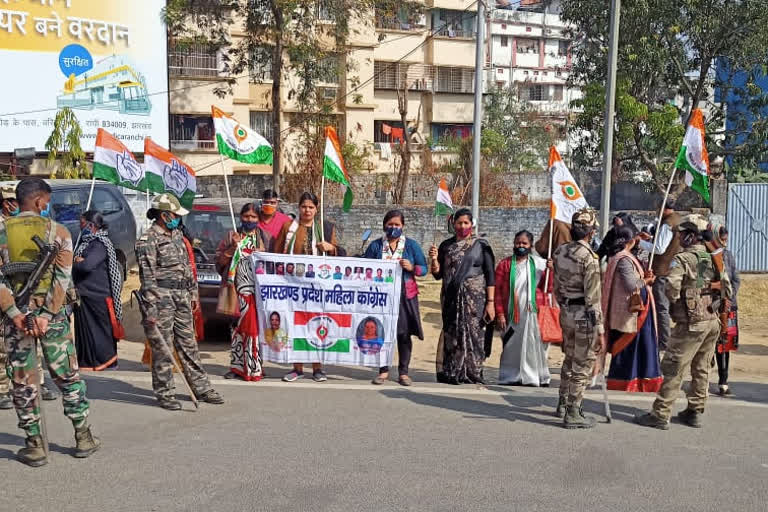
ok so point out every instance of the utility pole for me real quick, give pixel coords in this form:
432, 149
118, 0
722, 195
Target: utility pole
610, 103
478, 114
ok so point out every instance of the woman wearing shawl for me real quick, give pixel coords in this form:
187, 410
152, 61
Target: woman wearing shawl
99, 281
630, 319
729, 341
394, 246
465, 264
234, 263
271, 220
524, 359
303, 236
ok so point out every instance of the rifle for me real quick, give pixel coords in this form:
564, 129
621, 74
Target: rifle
32, 273
145, 315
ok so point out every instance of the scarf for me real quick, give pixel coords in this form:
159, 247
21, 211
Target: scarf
113, 267
388, 254
251, 242
290, 238
514, 311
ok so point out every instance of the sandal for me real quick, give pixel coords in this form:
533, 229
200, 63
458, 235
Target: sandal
379, 380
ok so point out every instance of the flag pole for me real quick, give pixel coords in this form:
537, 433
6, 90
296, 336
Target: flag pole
226, 186
88, 204
322, 208
661, 213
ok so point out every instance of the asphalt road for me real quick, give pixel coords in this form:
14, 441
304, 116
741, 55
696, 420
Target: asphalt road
345, 445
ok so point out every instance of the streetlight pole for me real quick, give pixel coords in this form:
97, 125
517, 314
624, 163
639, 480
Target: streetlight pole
610, 103
478, 114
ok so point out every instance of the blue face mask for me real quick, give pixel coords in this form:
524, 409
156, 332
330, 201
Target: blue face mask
85, 231
47, 212
16, 212
247, 227
393, 233
173, 224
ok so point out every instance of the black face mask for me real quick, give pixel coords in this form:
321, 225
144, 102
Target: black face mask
522, 251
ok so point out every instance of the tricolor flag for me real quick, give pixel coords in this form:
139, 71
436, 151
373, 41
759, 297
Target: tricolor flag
113, 162
333, 165
443, 203
165, 172
324, 332
693, 157
238, 142
567, 198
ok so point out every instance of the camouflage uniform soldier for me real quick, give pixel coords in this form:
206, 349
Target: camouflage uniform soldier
51, 323
577, 288
695, 291
170, 292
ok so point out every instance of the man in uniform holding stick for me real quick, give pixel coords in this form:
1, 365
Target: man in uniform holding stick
169, 293
49, 323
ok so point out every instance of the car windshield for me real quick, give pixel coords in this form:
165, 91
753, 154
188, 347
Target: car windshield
210, 227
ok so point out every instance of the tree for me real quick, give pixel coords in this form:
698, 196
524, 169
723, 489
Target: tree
64, 142
668, 54
294, 39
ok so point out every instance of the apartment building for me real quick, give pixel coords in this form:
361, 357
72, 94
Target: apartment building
529, 53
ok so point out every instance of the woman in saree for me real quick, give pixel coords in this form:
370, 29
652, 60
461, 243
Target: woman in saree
524, 358
465, 264
304, 236
729, 341
629, 315
234, 263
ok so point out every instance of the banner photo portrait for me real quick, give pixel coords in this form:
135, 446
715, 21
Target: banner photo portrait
325, 309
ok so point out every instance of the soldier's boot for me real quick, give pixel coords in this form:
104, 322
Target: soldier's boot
560, 410
211, 397
34, 453
574, 418
87, 443
47, 393
651, 420
169, 403
6, 402
690, 418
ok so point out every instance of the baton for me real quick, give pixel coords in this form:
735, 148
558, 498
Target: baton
166, 348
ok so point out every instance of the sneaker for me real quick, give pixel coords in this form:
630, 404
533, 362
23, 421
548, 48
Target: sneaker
650, 420
293, 376
47, 393
6, 402
690, 418
319, 376
211, 397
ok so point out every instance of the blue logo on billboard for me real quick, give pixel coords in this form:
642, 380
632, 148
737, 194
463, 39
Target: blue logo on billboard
75, 60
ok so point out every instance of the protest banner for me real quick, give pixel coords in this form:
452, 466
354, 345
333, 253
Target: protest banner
327, 309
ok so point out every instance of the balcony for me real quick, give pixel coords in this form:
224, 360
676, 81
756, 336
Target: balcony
193, 61
397, 75
455, 80
193, 145
401, 23
192, 133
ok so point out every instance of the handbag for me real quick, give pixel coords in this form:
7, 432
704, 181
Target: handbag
118, 331
228, 304
636, 302
549, 322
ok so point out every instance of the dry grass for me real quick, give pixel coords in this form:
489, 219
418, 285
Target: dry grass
753, 296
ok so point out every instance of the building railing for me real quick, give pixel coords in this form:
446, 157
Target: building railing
455, 33
194, 61
395, 23
193, 145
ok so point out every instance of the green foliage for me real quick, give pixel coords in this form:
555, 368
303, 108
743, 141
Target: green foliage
668, 51
64, 142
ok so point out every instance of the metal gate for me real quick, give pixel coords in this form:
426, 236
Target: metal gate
748, 226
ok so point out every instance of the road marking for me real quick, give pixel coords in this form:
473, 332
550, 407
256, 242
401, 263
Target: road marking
436, 389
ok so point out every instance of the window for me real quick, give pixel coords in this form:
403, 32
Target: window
504, 41
382, 130
67, 205
261, 123
453, 23
192, 59
328, 70
441, 131
323, 11
557, 93
190, 133
455, 80
527, 29
393, 75
105, 201
527, 46
562, 49
403, 19
534, 92
261, 64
